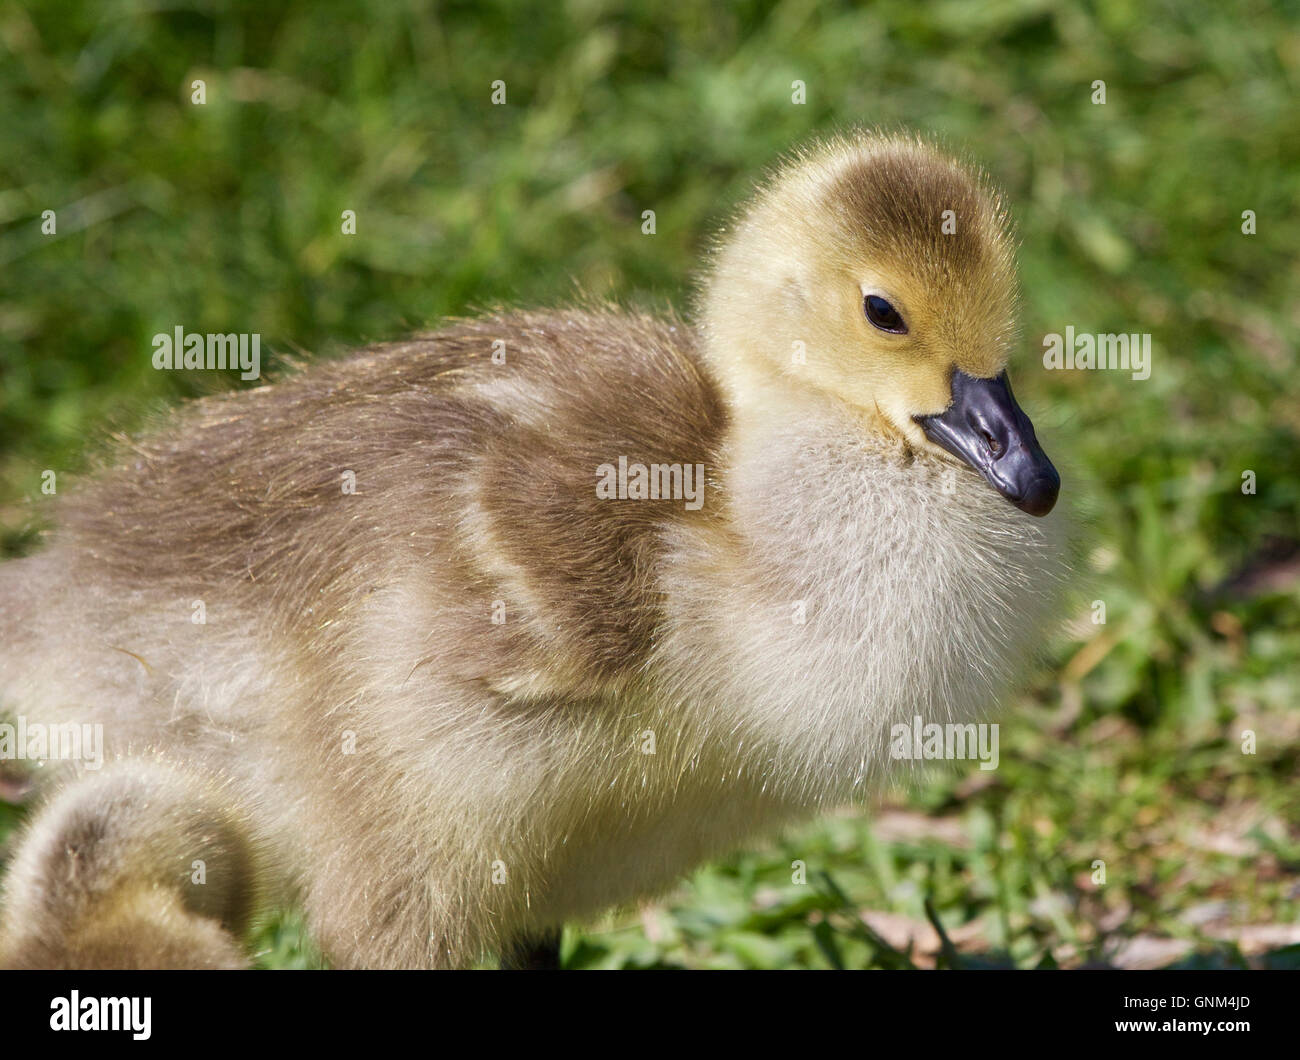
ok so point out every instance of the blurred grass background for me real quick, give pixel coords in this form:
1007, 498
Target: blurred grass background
1127, 748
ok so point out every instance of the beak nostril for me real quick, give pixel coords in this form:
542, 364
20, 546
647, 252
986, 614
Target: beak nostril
995, 447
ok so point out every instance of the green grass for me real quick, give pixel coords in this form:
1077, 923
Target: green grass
1126, 748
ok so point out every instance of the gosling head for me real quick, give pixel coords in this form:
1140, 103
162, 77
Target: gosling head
880, 272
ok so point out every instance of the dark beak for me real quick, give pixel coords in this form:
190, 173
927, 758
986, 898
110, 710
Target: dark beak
985, 427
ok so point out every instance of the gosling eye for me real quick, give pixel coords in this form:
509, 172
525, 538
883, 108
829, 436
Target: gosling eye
883, 315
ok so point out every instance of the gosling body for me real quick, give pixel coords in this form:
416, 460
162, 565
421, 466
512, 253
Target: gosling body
447, 695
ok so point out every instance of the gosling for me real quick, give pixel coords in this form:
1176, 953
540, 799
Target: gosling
523, 619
